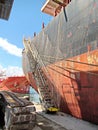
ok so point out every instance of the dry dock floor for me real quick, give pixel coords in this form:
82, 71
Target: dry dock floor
46, 124
60, 121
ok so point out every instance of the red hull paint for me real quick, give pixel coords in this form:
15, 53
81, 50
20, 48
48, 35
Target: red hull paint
74, 85
31, 80
15, 84
77, 85
73, 82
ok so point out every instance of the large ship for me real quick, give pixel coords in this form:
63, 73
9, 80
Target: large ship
61, 62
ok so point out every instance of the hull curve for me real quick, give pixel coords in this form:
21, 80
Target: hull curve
67, 53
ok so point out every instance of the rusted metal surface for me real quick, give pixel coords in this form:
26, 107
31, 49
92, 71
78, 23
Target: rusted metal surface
19, 113
53, 7
17, 84
68, 48
76, 86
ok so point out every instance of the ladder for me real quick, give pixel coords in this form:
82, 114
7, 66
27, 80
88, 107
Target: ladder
45, 94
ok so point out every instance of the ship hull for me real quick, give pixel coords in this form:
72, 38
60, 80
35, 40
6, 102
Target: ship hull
75, 85
68, 48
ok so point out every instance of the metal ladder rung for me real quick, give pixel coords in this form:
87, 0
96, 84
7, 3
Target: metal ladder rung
46, 97
42, 88
45, 93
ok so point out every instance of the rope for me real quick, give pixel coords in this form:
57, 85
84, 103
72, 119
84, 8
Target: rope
70, 68
69, 60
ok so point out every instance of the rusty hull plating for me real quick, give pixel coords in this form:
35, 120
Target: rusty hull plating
67, 53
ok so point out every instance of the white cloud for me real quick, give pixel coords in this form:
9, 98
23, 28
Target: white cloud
12, 71
2, 71
1, 68
10, 48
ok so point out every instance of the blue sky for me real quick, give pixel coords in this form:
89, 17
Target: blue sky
25, 19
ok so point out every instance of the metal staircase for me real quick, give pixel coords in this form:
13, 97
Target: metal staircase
45, 94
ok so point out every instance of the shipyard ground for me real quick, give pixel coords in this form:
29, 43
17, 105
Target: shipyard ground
60, 121
46, 124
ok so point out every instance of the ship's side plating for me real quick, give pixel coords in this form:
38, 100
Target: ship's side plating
68, 49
